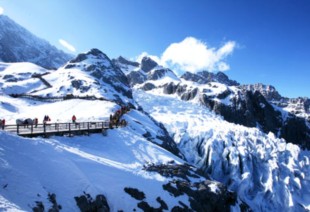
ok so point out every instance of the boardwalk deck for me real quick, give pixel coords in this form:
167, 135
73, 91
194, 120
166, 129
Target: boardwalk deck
57, 128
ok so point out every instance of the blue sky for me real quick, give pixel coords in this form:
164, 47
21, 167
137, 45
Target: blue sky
265, 41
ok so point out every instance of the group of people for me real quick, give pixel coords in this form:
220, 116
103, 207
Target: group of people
2, 123
46, 119
115, 119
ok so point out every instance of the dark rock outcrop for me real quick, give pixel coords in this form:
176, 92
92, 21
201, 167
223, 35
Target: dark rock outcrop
148, 86
159, 73
86, 203
268, 91
203, 195
147, 64
54, 208
135, 193
251, 109
124, 61
136, 77
205, 77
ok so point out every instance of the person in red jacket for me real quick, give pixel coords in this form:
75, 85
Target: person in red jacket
3, 123
73, 119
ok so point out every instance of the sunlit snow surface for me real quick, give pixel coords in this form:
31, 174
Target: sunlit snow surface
267, 173
95, 164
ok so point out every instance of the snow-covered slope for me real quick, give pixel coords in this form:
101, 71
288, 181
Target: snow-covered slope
266, 172
17, 78
132, 166
19, 45
127, 165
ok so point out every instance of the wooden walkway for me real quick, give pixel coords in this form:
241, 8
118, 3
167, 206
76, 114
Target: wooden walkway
50, 129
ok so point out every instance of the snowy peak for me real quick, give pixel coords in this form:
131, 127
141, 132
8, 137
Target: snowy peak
147, 64
124, 61
268, 91
17, 44
205, 77
125, 65
90, 74
94, 54
298, 106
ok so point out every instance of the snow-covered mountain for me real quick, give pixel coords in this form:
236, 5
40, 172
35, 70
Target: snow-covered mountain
17, 44
89, 73
199, 142
297, 106
251, 106
127, 168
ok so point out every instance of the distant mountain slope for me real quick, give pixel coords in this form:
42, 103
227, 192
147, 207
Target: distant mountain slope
267, 173
299, 106
256, 105
17, 44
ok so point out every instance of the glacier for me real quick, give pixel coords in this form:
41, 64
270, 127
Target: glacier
266, 172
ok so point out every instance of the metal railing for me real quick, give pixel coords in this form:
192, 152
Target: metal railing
50, 128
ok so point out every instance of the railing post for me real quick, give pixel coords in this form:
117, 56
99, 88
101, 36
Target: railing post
31, 128
44, 128
69, 128
17, 129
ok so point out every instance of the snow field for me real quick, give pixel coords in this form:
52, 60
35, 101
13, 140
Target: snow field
96, 164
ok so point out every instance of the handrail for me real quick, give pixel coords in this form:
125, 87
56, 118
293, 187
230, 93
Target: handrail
32, 129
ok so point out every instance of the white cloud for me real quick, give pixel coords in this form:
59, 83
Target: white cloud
145, 54
193, 55
67, 45
1, 10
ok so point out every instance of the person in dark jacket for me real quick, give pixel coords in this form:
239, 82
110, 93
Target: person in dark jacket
2, 123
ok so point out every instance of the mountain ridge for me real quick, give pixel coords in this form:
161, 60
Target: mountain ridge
17, 44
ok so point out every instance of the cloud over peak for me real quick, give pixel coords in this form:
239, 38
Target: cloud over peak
1, 10
194, 55
67, 45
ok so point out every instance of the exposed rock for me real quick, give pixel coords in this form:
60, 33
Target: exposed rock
39, 207
147, 64
86, 203
173, 170
135, 193
148, 86
136, 77
251, 109
124, 61
203, 195
189, 95
170, 88
202, 198
205, 77
54, 208
159, 73
224, 94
